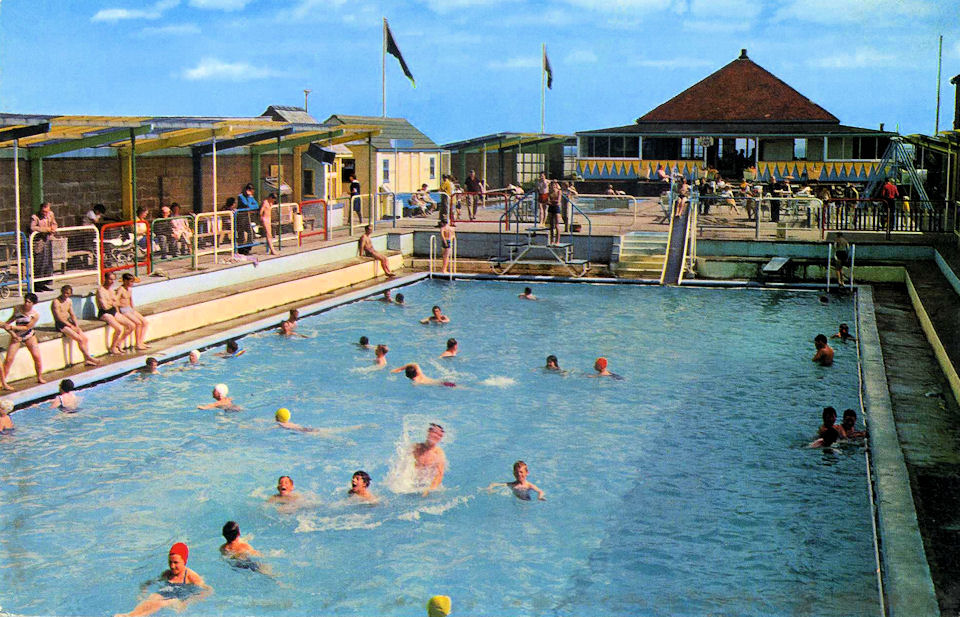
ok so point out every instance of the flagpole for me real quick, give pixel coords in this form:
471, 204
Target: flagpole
383, 69
543, 84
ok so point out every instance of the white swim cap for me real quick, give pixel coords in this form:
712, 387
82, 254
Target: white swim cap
6, 405
195, 352
221, 388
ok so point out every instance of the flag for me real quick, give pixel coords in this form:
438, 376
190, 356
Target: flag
546, 68
394, 51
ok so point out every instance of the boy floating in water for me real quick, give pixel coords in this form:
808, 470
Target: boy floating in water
380, 355
414, 374
220, 399
66, 401
452, 348
527, 294
844, 334
285, 492
364, 343
520, 486
181, 585
436, 316
429, 460
360, 487
234, 547
824, 355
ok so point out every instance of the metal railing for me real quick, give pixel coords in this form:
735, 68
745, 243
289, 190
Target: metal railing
283, 222
15, 275
607, 204
125, 245
214, 235
173, 238
873, 215
453, 256
315, 214
383, 202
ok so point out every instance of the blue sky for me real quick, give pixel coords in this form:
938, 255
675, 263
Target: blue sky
477, 62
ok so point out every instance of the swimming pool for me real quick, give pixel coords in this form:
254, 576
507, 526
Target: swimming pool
684, 489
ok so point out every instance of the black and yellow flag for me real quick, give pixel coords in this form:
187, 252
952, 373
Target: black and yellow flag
546, 68
394, 51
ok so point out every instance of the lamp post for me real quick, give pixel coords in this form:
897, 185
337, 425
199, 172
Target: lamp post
306, 96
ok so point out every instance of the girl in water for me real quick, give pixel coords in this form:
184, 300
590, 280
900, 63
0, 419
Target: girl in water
181, 585
521, 488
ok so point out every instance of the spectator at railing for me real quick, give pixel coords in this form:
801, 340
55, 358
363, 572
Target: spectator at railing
163, 233
474, 192
95, 216
45, 225
222, 226
246, 203
568, 200
142, 225
182, 234
446, 209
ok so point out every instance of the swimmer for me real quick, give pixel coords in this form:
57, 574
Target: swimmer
193, 357
844, 334
429, 460
364, 343
527, 294
380, 355
414, 374
284, 491
220, 399
283, 421
294, 316
849, 425
149, 366
288, 328
600, 366
181, 586
520, 487
830, 422
66, 401
6, 422
452, 348
436, 317
438, 606
360, 487
232, 350
552, 364
829, 437
824, 355
234, 547
400, 300
386, 297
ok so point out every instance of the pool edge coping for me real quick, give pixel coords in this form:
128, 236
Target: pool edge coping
907, 582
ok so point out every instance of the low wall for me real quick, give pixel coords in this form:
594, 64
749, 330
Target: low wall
810, 250
479, 245
59, 353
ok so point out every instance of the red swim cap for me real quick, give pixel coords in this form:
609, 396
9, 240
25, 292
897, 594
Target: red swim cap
601, 363
180, 549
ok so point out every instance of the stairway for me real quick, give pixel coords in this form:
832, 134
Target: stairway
642, 254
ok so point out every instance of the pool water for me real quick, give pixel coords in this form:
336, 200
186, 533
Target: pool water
684, 489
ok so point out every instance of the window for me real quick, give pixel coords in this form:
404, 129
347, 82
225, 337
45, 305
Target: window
433, 168
856, 148
348, 169
529, 166
309, 182
386, 171
799, 149
690, 148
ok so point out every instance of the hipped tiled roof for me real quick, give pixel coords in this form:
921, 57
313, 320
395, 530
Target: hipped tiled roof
390, 128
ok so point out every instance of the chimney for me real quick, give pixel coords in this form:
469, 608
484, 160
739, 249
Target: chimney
956, 103
743, 56
881, 126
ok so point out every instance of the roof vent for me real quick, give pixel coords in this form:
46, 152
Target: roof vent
743, 55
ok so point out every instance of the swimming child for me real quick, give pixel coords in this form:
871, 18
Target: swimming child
194, 357
236, 549
380, 355
520, 486
828, 438
182, 585
552, 363
360, 487
452, 348
829, 421
844, 334
600, 366
288, 328
149, 366
284, 490
414, 374
283, 421
437, 316
824, 355
849, 425
364, 343
527, 294
220, 399
429, 459
232, 350
66, 401
400, 299
6, 423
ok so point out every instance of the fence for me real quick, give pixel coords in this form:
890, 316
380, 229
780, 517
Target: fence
283, 221
172, 238
314, 219
213, 236
13, 277
607, 204
872, 215
67, 253
125, 245
384, 203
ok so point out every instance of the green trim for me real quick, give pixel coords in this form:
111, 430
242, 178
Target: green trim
87, 142
296, 141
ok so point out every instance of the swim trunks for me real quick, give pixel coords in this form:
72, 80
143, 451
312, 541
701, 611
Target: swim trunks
125, 310
109, 311
59, 325
449, 384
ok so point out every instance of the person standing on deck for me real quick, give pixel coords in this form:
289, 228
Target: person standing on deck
356, 202
474, 193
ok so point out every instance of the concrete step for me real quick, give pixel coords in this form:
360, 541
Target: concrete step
647, 261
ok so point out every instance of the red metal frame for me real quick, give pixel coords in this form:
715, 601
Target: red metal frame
317, 229
134, 263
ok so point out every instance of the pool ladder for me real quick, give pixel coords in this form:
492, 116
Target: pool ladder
433, 256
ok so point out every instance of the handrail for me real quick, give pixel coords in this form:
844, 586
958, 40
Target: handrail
633, 200
453, 255
589, 227
505, 217
326, 219
376, 204
95, 250
134, 245
214, 229
690, 243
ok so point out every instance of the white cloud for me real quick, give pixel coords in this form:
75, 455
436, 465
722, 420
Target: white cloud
154, 12
581, 56
172, 30
213, 68
874, 12
672, 63
956, 49
220, 5
311, 8
605, 6
517, 62
716, 27
449, 6
863, 57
